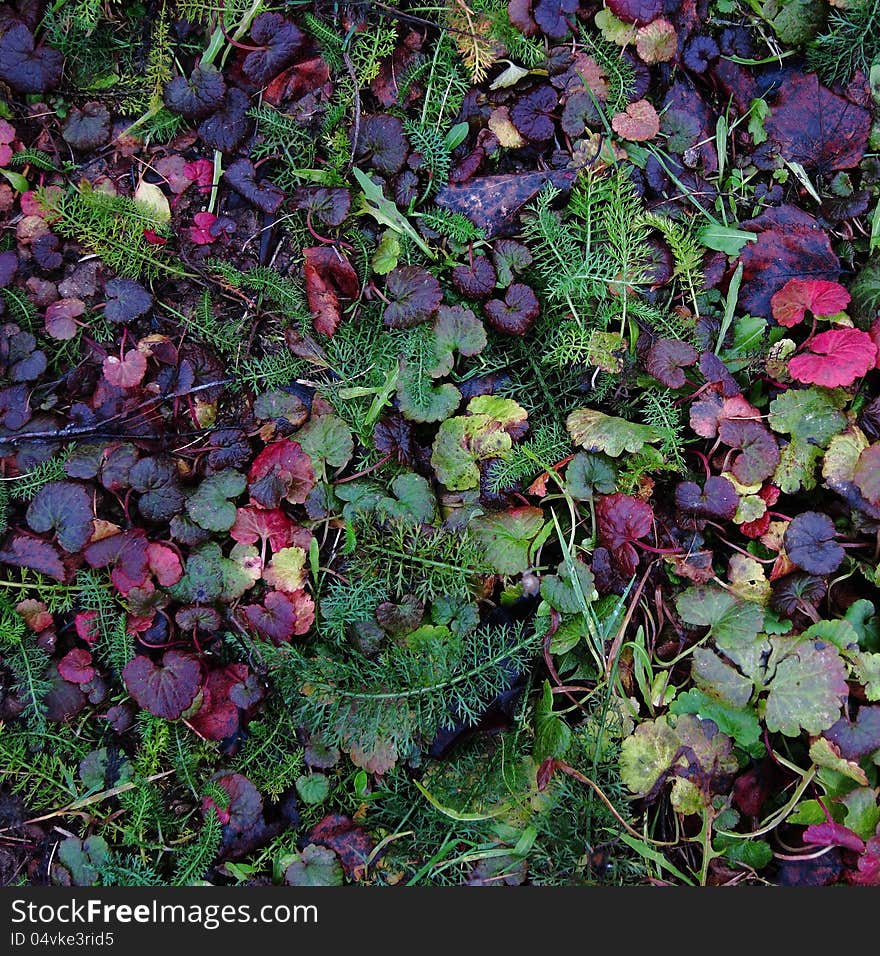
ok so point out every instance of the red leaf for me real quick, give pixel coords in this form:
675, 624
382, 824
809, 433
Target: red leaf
833, 834
127, 552
86, 625
637, 123
36, 615
61, 318
164, 564
125, 372
815, 127
263, 524
821, 297
200, 232
281, 615
350, 842
329, 276
76, 666
282, 470
217, 717
836, 358
622, 519
166, 689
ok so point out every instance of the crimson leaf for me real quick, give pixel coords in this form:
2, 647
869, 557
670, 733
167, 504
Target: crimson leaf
167, 689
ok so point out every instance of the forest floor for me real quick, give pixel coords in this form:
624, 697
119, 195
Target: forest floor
439, 443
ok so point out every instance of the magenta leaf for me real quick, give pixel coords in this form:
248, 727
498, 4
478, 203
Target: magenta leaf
167, 689
64, 508
759, 451
76, 666
126, 552
798, 296
25, 551
835, 358
833, 834
621, 520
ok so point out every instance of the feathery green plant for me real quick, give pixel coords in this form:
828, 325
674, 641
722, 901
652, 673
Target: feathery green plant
194, 860
26, 661
111, 226
850, 42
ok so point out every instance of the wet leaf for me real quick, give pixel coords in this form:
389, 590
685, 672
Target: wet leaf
382, 143
282, 471
620, 521
807, 689
24, 68
834, 358
638, 123
212, 505
314, 866
166, 689
517, 313
87, 128
414, 296
65, 509
329, 277
798, 296
595, 431
666, 360
127, 300
506, 537
532, 114
199, 95
227, 128
811, 543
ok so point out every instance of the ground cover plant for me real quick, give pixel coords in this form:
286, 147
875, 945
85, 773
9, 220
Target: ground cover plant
439, 443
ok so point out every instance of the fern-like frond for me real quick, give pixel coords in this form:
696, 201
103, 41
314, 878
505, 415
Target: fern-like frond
194, 860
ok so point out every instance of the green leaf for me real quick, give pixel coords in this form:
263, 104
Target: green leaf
867, 671
507, 535
741, 725
386, 213
725, 238
422, 401
754, 853
552, 734
730, 621
862, 812
313, 788
723, 682
566, 592
209, 505
16, 180
839, 633
823, 754
326, 440
647, 755
807, 689
413, 499
83, 858
588, 475
386, 255
456, 329
314, 866
810, 414
596, 431
794, 21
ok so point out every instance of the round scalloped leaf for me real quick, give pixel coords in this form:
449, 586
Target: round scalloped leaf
532, 113
835, 358
327, 441
810, 543
314, 866
209, 505
657, 42
759, 452
25, 69
226, 129
636, 11
596, 431
510, 258
414, 296
638, 123
460, 444
64, 508
475, 280
517, 313
588, 475
382, 143
161, 496
566, 592
647, 755
808, 687
282, 470
286, 570
666, 360
167, 689
87, 128
717, 499
456, 329
740, 724
279, 42
809, 414
265, 195
867, 473
819, 296
729, 620
506, 537
127, 300
198, 96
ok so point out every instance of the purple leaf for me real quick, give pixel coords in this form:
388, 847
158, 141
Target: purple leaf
25, 69
810, 542
516, 314
227, 128
167, 689
87, 128
414, 296
382, 144
198, 96
476, 280
280, 40
127, 300
666, 359
532, 114
265, 195
64, 508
